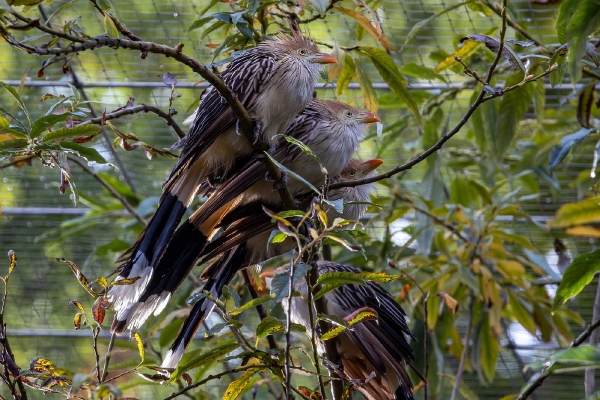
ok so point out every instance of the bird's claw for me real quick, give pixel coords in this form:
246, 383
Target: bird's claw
282, 182
257, 131
362, 382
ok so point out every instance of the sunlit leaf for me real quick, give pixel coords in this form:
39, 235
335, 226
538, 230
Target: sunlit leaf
358, 316
110, 28
346, 75
80, 130
450, 302
366, 24
236, 387
204, 359
268, 326
88, 153
577, 276
78, 305
572, 214
366, 86
251, 304
99, 309
12, 261
80, 277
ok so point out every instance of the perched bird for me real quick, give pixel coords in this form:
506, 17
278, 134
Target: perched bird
332, 130
245, 242
274, 82
375, 346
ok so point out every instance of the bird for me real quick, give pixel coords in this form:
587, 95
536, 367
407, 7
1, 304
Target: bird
332, 130
245, 242
274, 82
374, 354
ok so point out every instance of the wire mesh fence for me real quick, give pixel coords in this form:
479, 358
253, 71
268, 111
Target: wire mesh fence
35, 217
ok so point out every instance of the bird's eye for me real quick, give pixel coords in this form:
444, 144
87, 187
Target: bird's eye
352, 173
348, 114
302, 52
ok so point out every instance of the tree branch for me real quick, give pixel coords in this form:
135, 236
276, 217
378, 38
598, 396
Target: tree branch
135, 110
110, 189
463, 356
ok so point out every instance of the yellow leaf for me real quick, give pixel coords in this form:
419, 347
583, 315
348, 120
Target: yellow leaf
510, 268
236, 387
366, 86
450, 302
336, 69
140, 345
365, 23
465, 51
585, 231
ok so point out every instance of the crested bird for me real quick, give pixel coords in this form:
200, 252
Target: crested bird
245, 242
374, 354
273, 81
332, 131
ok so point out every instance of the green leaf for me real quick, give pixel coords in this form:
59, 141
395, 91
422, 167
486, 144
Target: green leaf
521, 314
577, 276
366, 86
583, 212
584, 22
488, 349
203, 359
320, 6
280, 288
567, 9
382, 277
559, 153
236, 387
269, 325
584, 105
556, 76
333, 280
199, 23
43, 123
251, 304
348, 72
427, 21
292, 173
512, 109
81, 130
306, 150
392, 76
110, 28
18, 98
358, 316
88, 153
13, 144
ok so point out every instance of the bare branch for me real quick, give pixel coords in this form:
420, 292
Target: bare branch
138, 109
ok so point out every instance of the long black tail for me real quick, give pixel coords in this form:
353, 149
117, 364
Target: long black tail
169, 272
225, 269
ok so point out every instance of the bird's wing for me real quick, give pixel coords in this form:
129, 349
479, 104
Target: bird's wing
245, 76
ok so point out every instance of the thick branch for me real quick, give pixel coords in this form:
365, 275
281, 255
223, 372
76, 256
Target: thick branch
245, 122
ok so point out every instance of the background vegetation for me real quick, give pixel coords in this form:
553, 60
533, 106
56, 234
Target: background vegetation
480, 232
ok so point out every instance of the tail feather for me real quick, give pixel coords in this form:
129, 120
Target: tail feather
225, 269
169, 272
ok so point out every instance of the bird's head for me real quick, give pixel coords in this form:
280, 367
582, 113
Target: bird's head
300, 50
350, 117
357, 169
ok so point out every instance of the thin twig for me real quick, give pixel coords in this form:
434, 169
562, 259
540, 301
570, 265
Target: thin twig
288, 332
463, 356
96, 331
111, 190
138, 109
215, 376
313, 276
540, 378
107, 357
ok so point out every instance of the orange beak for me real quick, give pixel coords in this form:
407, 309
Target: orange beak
368, 117
371, 165
268, 273
323, 58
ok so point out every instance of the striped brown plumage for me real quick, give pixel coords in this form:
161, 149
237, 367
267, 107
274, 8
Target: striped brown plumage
332, 130
245, 242
273, 81
376, 346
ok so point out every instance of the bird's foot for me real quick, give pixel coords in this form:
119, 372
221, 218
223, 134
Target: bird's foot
257, 131
363, 382
282, 182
